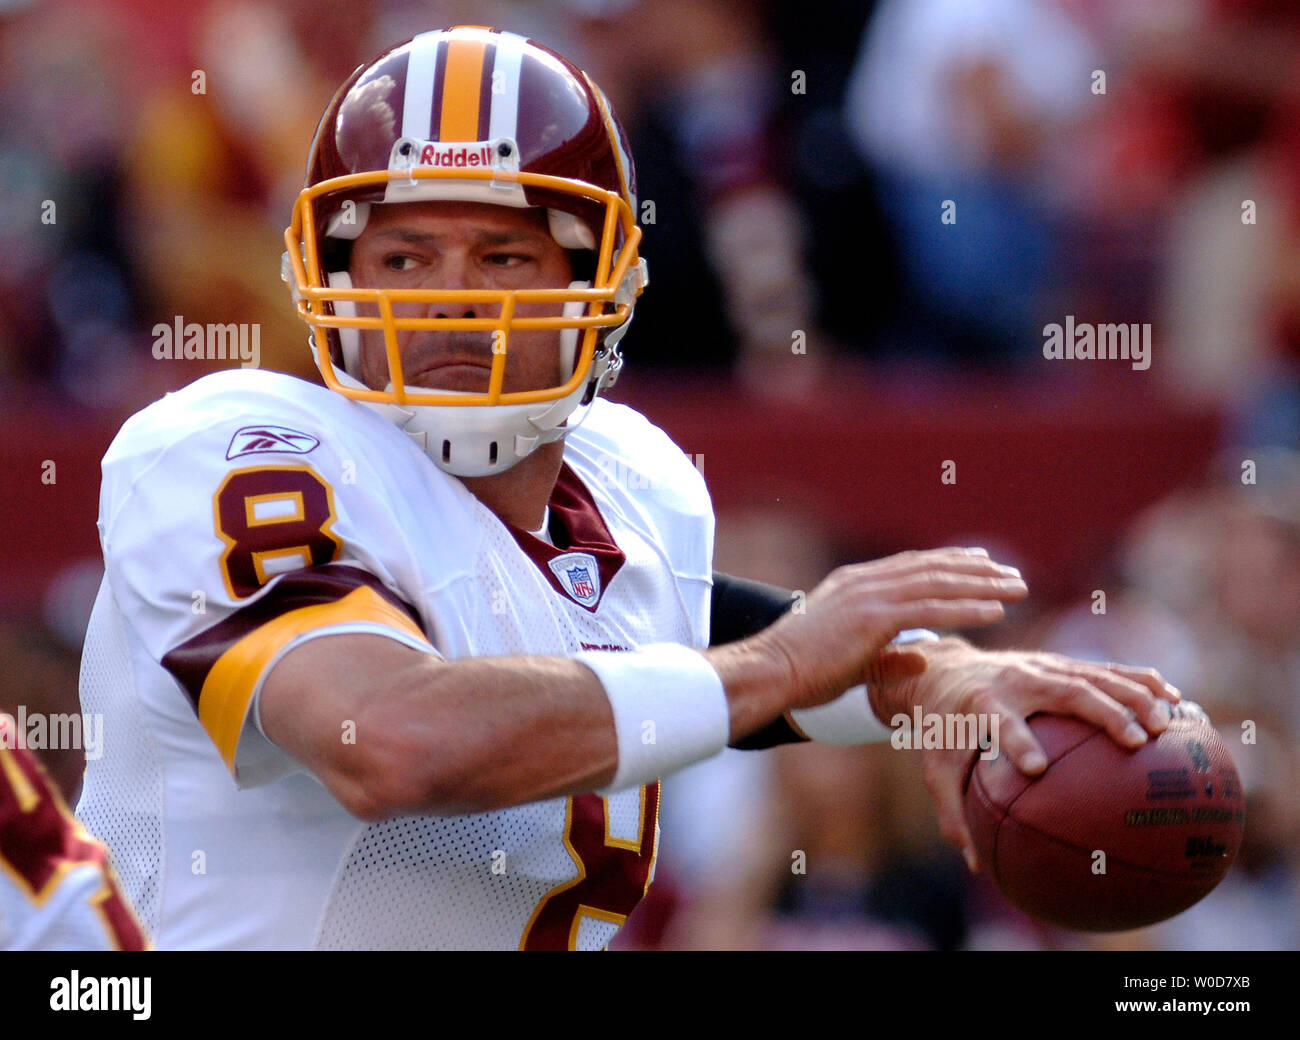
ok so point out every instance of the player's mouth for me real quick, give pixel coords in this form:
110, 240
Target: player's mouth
452, 373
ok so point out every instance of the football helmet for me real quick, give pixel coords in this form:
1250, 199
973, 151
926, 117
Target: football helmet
470, 114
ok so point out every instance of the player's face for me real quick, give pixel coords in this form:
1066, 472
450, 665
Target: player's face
460, 245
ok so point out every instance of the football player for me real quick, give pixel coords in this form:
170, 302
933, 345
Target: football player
57, 888
446, 621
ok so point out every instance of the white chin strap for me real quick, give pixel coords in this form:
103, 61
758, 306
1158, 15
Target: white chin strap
349, 339
479, 440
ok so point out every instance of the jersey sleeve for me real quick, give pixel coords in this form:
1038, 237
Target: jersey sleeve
243, 517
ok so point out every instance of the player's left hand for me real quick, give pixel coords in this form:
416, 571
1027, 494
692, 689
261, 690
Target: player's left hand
1128, 703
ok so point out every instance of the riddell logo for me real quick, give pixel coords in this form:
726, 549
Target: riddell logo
456, 155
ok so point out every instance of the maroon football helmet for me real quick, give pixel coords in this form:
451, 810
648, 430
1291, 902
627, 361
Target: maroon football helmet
470, 114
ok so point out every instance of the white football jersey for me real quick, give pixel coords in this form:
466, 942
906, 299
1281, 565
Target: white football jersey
251, 512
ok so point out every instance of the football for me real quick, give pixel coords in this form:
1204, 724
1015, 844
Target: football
1108, 839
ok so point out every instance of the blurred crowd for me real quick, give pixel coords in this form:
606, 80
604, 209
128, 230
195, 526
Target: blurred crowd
1119, 160
1124, 161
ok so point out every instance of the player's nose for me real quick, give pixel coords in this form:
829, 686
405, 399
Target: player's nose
458, 274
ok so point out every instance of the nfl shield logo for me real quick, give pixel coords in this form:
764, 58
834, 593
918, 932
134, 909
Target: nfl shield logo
579, 576
580, 580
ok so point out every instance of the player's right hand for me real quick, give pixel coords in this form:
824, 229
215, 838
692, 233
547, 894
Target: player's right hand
833, 639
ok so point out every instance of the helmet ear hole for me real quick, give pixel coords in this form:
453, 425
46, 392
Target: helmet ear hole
582, 262
335, 254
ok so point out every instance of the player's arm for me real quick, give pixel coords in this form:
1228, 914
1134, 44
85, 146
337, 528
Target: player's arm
742, 607
739, 608
424, 735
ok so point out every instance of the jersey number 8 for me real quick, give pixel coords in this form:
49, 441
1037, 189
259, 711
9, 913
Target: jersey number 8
273, 519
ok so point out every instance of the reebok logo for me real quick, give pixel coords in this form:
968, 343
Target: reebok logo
253, 440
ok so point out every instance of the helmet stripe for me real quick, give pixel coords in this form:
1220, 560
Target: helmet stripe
611, 129
505, 87
462, 81
485, 94
417, 103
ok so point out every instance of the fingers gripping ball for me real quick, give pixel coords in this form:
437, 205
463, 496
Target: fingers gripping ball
1107, 839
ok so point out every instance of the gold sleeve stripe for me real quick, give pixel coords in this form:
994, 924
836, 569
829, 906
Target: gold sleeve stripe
228, 688
462, 85
24, 792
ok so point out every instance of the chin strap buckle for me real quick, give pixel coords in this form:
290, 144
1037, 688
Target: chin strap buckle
634, 282
609, 375
287, 276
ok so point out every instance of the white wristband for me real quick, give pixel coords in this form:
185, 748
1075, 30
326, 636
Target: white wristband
670, 709
849, 719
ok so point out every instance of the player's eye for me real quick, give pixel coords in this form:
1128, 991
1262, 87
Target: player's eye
508, 259
399, 262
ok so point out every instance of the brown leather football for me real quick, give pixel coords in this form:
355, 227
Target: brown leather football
1108, 839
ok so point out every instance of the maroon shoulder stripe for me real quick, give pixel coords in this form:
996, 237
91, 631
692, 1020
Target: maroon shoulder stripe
190, 662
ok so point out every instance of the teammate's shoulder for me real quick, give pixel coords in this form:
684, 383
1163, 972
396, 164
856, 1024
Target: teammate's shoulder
618, 447
33, 816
